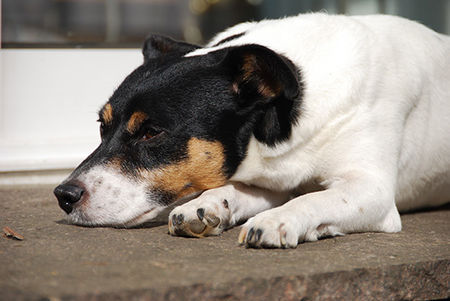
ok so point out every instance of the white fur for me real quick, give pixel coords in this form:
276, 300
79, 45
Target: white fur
114, 199
242, 202
373, 129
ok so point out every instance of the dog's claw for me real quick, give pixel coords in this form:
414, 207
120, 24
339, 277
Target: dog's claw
258, 234
200, 213
213, 221
250, 235
283, 234
252, 239
174, 219
177, 219
242, 235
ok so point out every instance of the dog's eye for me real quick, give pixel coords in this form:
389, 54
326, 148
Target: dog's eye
146, 136
102, 128
150, 134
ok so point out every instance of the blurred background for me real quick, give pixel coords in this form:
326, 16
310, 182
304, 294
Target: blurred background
125, 23
60, 60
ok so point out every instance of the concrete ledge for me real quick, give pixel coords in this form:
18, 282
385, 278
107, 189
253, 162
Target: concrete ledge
56, 261
34, 177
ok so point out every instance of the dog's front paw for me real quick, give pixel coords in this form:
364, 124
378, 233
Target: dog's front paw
204, 216
270, 229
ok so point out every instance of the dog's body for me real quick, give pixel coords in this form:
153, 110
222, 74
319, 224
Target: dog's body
340, 119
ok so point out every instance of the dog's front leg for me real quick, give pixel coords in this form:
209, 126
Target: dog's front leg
346, 206
221, 208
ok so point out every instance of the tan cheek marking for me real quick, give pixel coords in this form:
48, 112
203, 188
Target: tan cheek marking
200, 171
136, 119
107, 114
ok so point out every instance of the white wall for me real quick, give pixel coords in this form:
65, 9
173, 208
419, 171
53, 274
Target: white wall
49, 100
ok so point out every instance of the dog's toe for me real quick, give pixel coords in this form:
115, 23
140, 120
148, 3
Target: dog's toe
253, 239
209, 219
196, 227
268, 231
177, 219
195, 222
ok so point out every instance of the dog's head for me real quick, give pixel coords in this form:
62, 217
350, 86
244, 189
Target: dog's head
178, 125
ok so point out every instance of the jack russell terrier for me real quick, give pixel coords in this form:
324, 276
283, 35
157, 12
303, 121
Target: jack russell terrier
304, 127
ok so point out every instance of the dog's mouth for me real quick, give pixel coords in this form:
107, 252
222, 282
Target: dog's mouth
80, 219
150, 214
141, 218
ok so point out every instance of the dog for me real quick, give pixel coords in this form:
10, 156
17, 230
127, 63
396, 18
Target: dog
304, 127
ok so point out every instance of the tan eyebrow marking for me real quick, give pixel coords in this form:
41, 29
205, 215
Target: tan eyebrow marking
135, 121
107, 114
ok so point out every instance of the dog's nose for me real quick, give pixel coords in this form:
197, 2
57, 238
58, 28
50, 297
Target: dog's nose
68, 195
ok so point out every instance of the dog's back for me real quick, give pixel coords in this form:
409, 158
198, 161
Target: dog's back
384, 72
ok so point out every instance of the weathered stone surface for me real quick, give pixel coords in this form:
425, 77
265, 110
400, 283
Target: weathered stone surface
57, 261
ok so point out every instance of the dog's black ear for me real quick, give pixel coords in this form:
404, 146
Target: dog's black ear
157, 45
261, 74
268, 83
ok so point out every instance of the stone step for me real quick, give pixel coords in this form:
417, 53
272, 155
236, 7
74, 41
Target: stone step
56, 261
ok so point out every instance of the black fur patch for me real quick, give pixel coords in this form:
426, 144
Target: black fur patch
270, 85
227, 96
156, 46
